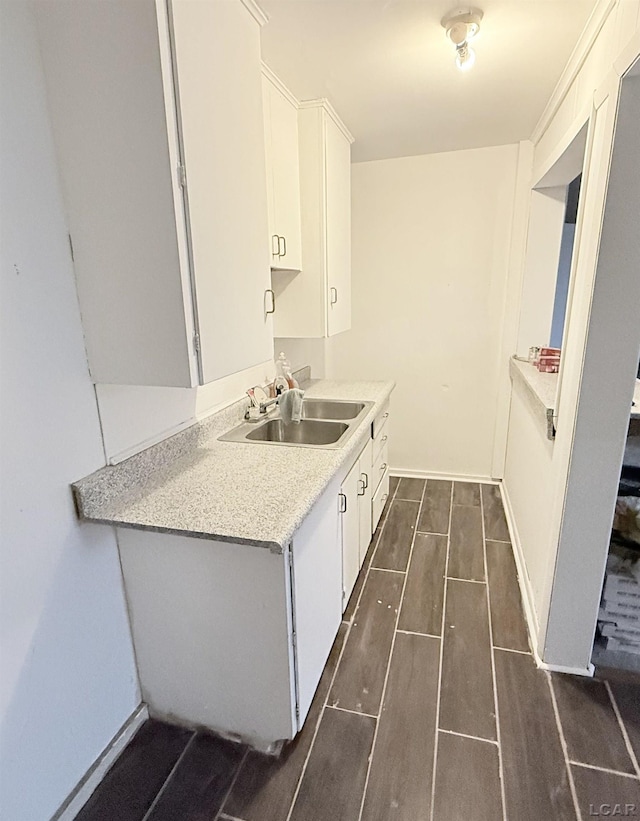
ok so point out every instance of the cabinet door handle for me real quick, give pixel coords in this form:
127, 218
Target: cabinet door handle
385, 415
334, 295
384, 438
363, 487
365, 479
275, 246
271, 310
342, 501
383, 467
284, 245
384, 498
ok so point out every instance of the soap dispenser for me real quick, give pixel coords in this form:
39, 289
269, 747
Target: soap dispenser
281, 382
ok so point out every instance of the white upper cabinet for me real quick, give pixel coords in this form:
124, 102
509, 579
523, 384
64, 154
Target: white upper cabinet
317, 302
338, 226
283, 173
157, 117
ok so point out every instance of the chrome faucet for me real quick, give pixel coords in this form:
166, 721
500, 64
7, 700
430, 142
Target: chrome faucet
258, 409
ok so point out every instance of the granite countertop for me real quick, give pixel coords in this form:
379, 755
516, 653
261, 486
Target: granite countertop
247, 493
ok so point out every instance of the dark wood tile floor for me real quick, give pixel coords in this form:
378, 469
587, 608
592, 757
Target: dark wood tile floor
430, 708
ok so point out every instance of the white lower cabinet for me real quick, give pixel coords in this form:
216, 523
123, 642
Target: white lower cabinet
355, 511
350, 517
235, 637
364, 502
380, 466
379, 499
316, 594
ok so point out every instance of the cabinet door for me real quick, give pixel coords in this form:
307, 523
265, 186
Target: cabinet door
286, 180
217, 54
338, 229
317, 594
268, 152
104, 65
364, 502
350, 517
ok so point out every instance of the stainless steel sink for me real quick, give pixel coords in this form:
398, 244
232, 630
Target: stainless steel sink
330, 409
320, 427
305, 432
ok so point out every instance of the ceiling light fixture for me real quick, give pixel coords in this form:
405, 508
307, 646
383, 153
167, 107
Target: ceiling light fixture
462, 25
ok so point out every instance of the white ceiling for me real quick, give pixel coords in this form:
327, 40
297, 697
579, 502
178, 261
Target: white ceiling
389, 70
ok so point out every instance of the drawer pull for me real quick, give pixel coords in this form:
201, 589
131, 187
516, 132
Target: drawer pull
363, 487
365, 480
343, 503
384, 438
385, 415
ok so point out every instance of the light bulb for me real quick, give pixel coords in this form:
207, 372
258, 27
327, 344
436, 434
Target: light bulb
465, 57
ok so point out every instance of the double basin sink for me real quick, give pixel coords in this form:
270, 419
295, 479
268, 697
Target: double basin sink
325, 423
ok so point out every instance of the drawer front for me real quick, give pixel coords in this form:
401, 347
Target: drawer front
379, 468
379, 421
379, 499
380, 441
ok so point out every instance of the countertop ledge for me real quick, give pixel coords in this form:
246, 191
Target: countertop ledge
540, 390
191, 484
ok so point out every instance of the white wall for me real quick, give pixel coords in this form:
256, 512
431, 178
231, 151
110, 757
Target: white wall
527, 470
546, 218
68, 673
536, 475
431, 239
562, 284
301, 352
134, 417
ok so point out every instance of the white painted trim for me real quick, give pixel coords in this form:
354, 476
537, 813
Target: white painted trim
580, 120
94, 775
323, 103
447, 477
560, 668
510, 312
524, 582
259, 15
172, 118
628, 56
277, 82
575, 62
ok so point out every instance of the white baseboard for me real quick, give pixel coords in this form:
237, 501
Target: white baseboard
448, 477
573, 671
101, 766
526, 591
